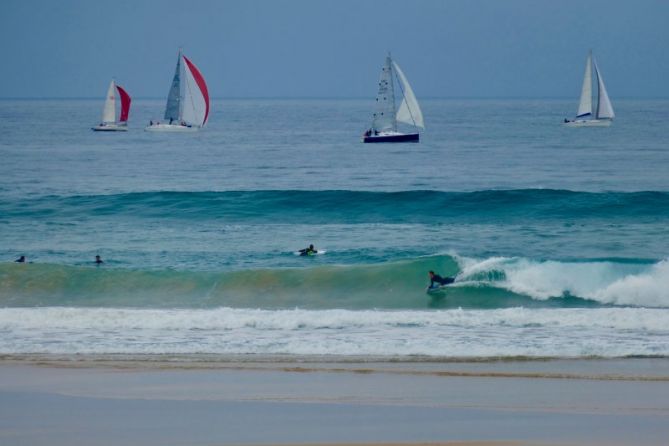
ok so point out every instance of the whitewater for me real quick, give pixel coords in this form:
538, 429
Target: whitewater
557, 238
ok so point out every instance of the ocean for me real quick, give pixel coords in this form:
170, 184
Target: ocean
557, 236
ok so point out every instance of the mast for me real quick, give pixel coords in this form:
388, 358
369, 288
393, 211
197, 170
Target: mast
389, 64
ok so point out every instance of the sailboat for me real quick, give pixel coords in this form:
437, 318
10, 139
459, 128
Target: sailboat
604, 112
187, 106
386, 117
109, 122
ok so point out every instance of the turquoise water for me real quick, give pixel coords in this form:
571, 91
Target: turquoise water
542, 226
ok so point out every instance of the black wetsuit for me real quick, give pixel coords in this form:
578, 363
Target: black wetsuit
440, 280
307, 251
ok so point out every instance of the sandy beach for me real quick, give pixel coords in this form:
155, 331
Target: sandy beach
207, 401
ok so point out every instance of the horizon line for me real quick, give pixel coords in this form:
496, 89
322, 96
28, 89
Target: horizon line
42, 98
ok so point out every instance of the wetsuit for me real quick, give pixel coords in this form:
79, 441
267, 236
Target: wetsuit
439, 281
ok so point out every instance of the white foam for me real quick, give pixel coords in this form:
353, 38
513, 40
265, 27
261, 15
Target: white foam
606, 282
650, 288
607, 332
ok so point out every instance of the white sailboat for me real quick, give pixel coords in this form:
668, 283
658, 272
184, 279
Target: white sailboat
604, 114
386, 117
109, 122
187, 106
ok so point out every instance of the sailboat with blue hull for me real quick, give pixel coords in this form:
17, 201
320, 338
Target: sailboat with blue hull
386, 116
604, 114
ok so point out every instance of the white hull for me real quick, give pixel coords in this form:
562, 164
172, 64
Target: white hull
111, 127
171, 128
589, 123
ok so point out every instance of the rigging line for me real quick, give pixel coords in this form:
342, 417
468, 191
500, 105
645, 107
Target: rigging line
599, 91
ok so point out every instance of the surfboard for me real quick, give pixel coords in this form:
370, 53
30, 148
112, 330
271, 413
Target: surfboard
320, 252
441, 289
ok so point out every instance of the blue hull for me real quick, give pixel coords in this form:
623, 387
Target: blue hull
409, 137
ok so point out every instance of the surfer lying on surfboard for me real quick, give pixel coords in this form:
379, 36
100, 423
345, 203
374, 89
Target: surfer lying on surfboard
436, 281
308, 251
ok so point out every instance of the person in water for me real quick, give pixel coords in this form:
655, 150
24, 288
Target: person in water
308, 251
98, 260
21, 259
436, 280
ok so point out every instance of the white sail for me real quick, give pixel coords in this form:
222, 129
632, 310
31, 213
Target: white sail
384, 116
409, 111
109, 110
193, 103
604, 107
585, 106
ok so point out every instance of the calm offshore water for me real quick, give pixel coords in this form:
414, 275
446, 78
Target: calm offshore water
558, 236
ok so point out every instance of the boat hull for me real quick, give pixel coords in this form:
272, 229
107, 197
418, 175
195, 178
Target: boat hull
110, 128
589, 123
175, 128
394, 137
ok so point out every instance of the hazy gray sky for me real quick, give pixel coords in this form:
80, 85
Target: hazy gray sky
314, 48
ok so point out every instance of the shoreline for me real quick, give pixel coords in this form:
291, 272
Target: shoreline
648, 369
100, 403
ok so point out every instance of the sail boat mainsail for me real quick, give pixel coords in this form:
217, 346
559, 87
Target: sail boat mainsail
604, 114
187, 106
109, 123
386, 116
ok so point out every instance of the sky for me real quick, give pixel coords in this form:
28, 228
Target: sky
334, 48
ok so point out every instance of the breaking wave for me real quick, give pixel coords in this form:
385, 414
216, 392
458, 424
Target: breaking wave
496, 282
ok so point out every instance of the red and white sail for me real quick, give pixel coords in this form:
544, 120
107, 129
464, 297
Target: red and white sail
196, 95
109, 109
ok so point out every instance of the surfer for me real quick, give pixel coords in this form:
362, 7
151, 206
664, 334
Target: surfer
436, 280
21, 259
308, 251
98, 260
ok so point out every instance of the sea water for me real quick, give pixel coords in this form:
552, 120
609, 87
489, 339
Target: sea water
557, 236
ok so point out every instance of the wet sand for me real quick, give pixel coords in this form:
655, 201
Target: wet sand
208, 401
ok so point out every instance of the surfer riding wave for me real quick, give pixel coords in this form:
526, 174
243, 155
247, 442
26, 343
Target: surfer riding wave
436, 281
